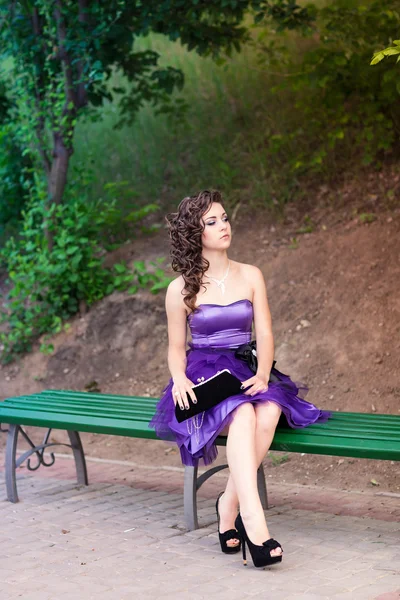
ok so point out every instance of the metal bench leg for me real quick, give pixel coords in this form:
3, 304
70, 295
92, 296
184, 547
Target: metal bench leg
37, 451
11, 451
190, 498
262, 486
79, 456
192, 484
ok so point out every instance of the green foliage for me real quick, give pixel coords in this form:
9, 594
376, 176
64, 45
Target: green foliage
12, 193
124, 217
139, 277
63, 54
390, 51
14, 170
286, 114
343, 113
367, 217
308, 226
49, 285
278, 459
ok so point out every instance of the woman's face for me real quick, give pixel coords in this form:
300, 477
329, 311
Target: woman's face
217, 229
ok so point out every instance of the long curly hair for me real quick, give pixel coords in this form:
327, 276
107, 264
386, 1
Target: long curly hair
185, 229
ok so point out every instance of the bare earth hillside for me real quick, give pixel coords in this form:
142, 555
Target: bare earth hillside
335, 302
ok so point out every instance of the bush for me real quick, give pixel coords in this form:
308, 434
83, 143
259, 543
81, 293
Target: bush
344, 111
51, 283
15, 170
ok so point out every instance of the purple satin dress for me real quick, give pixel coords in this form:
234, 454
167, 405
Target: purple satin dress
216, 331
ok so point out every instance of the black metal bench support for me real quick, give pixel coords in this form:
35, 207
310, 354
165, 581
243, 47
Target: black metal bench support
12, 462
192, 483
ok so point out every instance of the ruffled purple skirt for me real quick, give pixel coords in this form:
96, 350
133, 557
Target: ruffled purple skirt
196, 437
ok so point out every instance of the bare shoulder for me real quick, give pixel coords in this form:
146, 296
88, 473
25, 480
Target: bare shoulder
250, 272
176, 285
175, 288
174, 297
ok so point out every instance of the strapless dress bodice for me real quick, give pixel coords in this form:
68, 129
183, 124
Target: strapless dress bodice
221, 325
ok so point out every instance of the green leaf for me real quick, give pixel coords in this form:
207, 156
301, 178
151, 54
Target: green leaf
120, 267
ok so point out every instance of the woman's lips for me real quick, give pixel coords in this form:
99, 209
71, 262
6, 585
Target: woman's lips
225, 236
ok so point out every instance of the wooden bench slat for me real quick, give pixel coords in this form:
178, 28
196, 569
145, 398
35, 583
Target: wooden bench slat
86, 400
357, 448
125, 427
284, 441
351, 447
95, 396
329, 429
148, 401
89, 398
310, 440
115, 411
77, 402
112, 397
345, 434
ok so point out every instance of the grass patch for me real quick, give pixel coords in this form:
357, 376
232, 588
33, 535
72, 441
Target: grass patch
278, 459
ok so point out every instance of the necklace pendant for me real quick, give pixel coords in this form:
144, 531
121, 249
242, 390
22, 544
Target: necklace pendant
220, 282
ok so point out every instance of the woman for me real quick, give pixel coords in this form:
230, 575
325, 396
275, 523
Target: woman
219, 299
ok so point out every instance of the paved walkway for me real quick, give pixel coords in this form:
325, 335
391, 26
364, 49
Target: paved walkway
124, 538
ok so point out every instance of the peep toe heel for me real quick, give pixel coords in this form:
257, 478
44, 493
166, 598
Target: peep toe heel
231, 534
261, 555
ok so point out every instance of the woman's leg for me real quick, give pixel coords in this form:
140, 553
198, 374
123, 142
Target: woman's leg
266, 417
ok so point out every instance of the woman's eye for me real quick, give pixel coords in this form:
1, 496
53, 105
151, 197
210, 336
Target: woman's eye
213, 222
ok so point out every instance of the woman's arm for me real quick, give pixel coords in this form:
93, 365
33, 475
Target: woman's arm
177, 329
177, 332
263, 324
263, 330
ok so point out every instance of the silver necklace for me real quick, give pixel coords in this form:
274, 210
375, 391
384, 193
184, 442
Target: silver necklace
220, 282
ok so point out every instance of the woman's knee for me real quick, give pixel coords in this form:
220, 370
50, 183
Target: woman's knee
245, 413
267, 415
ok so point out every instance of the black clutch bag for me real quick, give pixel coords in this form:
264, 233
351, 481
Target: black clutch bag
248, 353
209, 393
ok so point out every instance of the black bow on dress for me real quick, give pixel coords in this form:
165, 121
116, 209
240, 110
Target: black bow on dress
248, 353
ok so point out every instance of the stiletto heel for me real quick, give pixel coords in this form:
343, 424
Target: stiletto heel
244, 552
261, 555
231, 534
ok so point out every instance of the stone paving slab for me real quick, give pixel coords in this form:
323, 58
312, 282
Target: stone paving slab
124, 537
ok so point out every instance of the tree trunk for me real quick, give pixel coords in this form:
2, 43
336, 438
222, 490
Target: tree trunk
75, 99
58, 176
59, 169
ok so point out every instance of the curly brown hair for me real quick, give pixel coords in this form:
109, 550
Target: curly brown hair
185, 230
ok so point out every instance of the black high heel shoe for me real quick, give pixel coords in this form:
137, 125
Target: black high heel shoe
261, 555
231, 534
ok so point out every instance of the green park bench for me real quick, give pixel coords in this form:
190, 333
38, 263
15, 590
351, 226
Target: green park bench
359, 435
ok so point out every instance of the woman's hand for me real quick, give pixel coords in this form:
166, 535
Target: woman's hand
258, 383
183, 385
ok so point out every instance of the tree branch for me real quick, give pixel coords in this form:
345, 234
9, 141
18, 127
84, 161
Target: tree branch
81, 94
39, 97
64, 56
